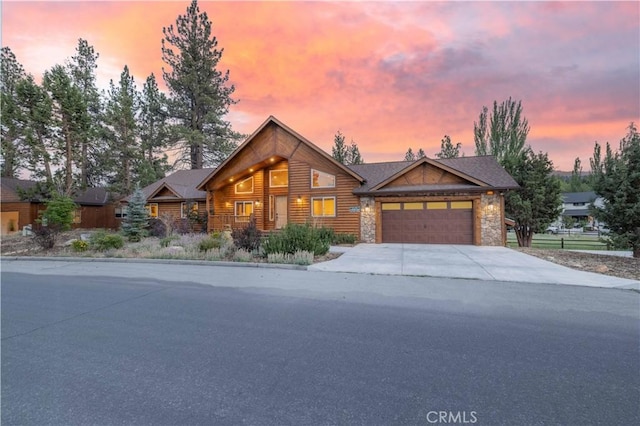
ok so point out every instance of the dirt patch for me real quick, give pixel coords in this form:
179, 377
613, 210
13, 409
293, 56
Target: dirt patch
615, 266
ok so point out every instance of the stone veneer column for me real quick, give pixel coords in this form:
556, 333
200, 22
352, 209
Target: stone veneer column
491, 220
367, 220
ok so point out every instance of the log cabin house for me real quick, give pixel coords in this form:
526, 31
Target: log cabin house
278, 176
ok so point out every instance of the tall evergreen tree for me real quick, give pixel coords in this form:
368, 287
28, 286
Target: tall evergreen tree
409, 155
505, 135
617, 180
447, 150
36, 113
135, 224
122, 132
421, 154
200, 93
82, 69
354, 154
538, 202
11, 73
339, 151
72, 122
153, 131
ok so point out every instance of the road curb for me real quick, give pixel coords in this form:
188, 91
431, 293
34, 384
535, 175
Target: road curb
159, 261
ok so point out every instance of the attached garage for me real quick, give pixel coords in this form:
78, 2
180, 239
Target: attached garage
428, 222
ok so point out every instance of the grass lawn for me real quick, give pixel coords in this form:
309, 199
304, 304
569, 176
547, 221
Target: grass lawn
550, 241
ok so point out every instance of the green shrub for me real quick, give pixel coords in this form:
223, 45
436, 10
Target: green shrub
79, 245
344, 239
210, 243
166, 241
103, 241
294, 237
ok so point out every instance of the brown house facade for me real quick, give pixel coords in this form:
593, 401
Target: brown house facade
280, 177
95, 209
175, 196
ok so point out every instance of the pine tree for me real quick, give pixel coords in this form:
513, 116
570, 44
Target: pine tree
339, 151
200, 93
409, 155
122, 132
134, 225
354, 154
421, 154
154, 134
72, 121
82, 69
617, 180
36, 114
11, 74
447, 150
538, 202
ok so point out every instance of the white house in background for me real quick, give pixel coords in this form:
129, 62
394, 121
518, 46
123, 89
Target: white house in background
577, 206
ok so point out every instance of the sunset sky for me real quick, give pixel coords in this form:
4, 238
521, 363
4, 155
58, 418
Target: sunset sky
389, 75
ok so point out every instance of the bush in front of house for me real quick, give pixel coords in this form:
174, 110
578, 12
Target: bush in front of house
135, 225
344, 239
294, 237
300, 257
157, 228
79, 245
57, 217
248, 238
103, 241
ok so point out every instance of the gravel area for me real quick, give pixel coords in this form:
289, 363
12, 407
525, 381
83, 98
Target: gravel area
621, 267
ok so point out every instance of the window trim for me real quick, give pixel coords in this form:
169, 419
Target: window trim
335, 206
320, 171
183, 208
149, 207
286, 171
235, 186
243, 202
121, 211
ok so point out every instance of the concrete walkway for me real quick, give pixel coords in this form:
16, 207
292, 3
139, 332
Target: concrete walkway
450, 261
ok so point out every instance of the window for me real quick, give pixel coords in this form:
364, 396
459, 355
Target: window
244, 209
579, 204
278, 178
322, 180
152, 208
188, 208
324, 206
121, 212
245, 186
272, 208
77, 215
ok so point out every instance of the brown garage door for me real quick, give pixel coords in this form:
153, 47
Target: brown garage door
432, 222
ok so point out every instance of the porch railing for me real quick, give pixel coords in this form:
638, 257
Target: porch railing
228, 222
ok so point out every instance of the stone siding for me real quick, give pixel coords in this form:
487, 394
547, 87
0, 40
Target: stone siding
491, 220
367, 220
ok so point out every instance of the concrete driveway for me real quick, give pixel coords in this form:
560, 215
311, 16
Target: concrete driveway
472, 262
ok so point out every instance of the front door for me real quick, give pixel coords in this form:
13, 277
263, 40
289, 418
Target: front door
281, 211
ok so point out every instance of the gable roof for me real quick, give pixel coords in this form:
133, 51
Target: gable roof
10, 189
275, 121
579, 197
480, 172
11, 193
181, 183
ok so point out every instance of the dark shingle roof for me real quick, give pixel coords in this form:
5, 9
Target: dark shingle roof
484, 168
579, 197
10, 192
375, 173
183, 183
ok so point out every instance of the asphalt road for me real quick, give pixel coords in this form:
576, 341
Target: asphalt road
277, 347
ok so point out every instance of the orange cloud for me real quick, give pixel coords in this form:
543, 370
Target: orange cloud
390, 75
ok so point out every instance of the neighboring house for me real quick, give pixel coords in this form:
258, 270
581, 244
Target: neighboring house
577, 205
280, 177
95, 207
174, 196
